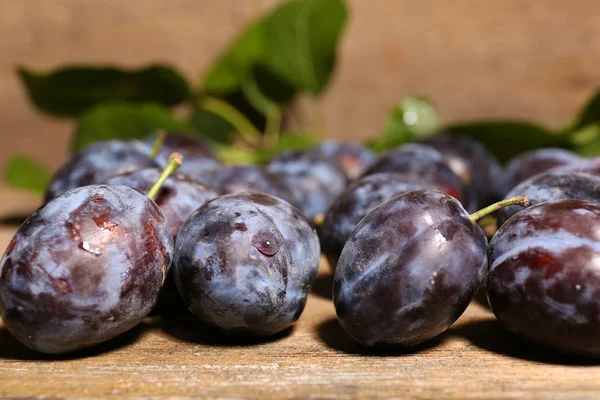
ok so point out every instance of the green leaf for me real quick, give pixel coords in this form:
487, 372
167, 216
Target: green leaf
413, 118
589, 150
271, 109
288, 141
235, 64
590, 114
234, 116
257, 98
125, 121
217, 127
300, 41
506, 139
586, 140
375, 145
272, 86
22, 172
72, 90
212, 126
266, 93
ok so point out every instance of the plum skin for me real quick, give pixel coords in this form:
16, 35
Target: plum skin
180, 142
471, 162
199, 158
97, 162
250, 178
359, 199
178, 197
543, 280
409, 270
551, 186
587, 165
427, 164
531, 163
84, 268
353, 158
244, 263
314, 181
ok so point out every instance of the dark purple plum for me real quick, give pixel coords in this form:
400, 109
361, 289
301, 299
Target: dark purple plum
474, 165
250, 178
551, 186
84, 268
315, 182
200, 160
426, 164
359, 199
245, 263
178, 197
543, 278
97, 162
409, 270
186, 145
532, 163
587, 165
351, 157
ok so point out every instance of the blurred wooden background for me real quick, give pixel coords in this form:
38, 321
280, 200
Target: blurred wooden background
475, 59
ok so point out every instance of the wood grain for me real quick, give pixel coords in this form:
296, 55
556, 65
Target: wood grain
174, 356
475, 59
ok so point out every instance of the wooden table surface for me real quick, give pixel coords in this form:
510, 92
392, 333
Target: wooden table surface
175, 357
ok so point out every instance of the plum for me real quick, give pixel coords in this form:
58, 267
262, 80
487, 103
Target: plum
353, 158
587, 165
543, 278
178, 142
426, 164
84, 268
313, 180
250, 178
410, 269
359, 199
531, 163
552, 186
200, 160
178, 197
97, 162
245, 263
471, 162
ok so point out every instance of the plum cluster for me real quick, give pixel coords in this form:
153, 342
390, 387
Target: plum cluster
242, 243
119, 224
408, 259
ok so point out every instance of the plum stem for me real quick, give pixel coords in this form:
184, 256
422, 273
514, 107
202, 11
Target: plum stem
229, 113
174, 162
273, 127
513, 201
487, 221
158, 143
319, 219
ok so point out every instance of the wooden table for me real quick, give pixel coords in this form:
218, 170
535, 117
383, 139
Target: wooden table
175, 357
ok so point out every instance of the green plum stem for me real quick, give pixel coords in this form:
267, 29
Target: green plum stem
487, 221
229, 113
319, 219
513, 201
318, 121
273, 127
174, 162
158, 143
235, 155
